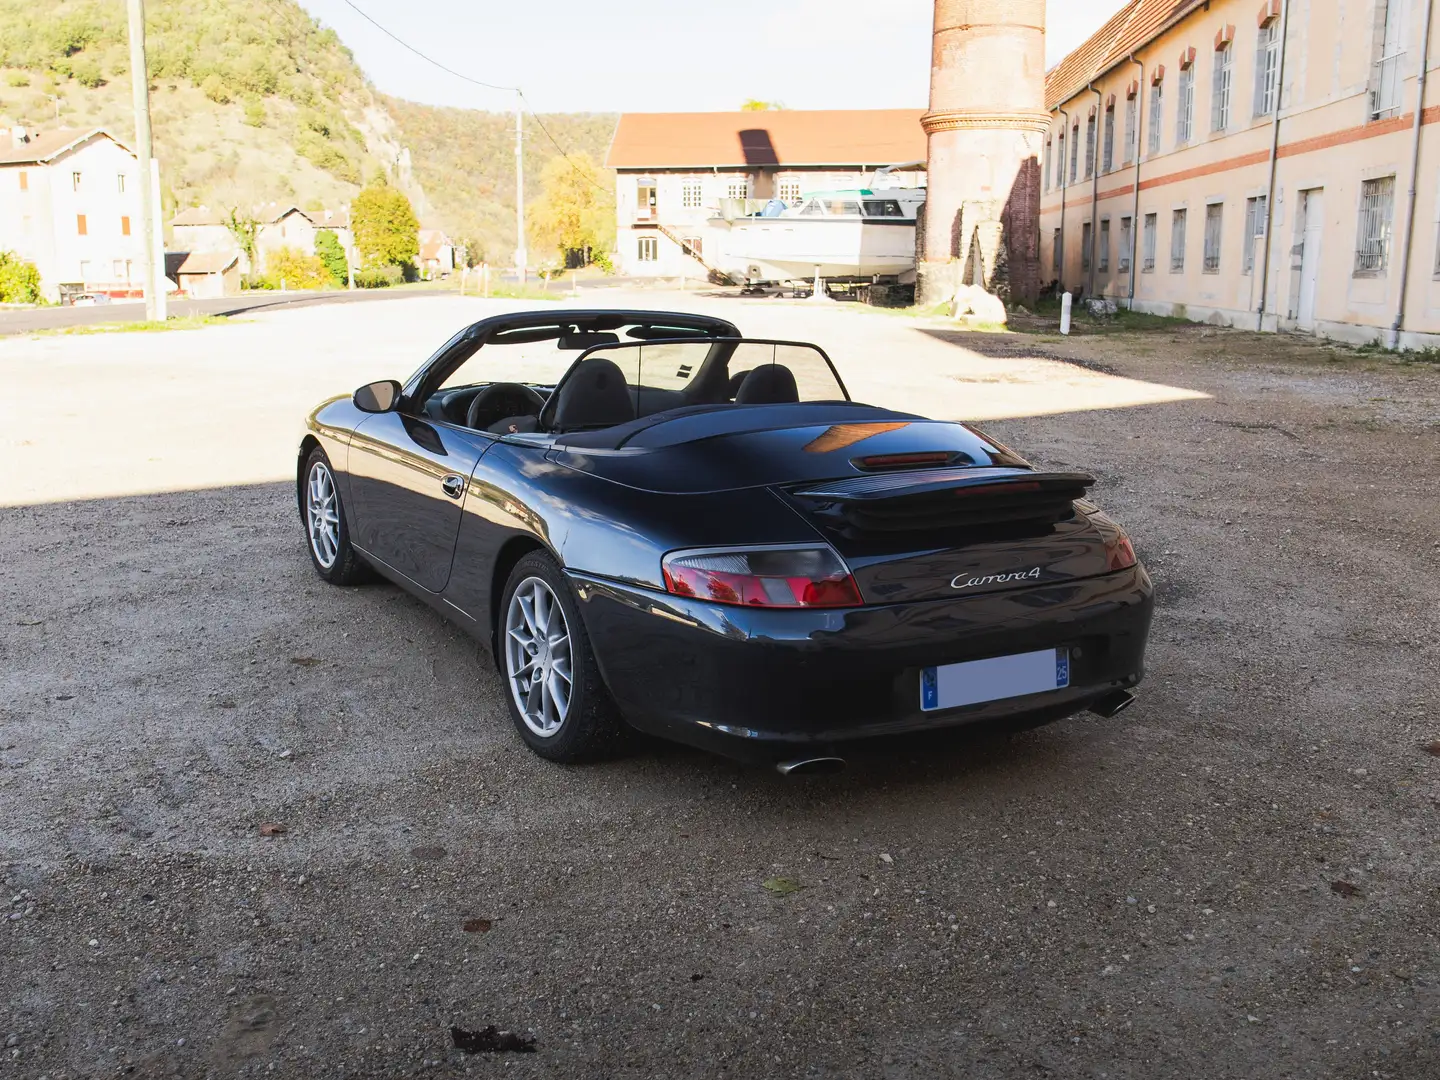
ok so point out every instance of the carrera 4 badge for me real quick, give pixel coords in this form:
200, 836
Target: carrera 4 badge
962, 582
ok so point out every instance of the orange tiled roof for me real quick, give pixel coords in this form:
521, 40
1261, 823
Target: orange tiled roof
778, 137
1135, 25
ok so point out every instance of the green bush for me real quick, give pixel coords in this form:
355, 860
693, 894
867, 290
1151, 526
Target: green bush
331, 252
19, 280
87, 73
254, 110
214, 88
17, 78
378, 277
294, 269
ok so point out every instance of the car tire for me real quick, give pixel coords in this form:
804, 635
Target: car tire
327, 533
537, 613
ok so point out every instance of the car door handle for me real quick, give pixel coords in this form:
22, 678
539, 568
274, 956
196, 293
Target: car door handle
453, 485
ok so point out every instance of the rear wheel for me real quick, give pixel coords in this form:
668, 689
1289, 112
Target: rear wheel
327, 533
557, 699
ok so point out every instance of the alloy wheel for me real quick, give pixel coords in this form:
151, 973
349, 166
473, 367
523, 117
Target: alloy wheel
537, 656
322, 515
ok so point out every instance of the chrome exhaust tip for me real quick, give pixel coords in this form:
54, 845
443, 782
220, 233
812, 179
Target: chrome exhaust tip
814, 766
1113, 704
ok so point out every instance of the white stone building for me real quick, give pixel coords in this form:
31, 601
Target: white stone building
70, 204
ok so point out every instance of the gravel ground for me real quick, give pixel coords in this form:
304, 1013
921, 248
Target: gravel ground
1236, 878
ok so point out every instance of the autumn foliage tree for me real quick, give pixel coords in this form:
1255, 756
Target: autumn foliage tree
387, 232
575, 212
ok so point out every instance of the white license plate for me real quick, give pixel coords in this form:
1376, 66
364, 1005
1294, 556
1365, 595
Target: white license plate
977, 681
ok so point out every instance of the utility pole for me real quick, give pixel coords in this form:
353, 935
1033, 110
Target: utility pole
149, 211
521, 255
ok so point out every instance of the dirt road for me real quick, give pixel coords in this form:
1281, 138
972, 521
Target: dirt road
1236, 878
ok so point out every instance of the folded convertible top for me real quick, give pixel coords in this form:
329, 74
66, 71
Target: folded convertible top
692, 423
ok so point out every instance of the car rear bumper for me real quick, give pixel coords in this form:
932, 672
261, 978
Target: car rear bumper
763, 684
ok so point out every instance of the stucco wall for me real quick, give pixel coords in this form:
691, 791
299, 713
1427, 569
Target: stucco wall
1327, 144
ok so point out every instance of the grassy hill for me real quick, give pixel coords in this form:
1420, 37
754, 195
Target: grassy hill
254, 101
465, 160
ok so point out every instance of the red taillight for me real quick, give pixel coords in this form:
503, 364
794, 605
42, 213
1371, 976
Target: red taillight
783, 577
1119, 551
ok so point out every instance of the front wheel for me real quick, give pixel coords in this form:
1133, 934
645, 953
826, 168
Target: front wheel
326, 531
557, 698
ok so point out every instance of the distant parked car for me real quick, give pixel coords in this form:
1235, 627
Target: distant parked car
89, 299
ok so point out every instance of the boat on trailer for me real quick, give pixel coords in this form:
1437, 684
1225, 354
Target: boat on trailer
841, 241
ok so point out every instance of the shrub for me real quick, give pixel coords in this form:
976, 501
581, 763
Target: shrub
378, 277
295, 270
254, 110
17, 78
214, 88
87, 73
19, 280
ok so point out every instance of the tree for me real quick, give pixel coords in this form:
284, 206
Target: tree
244, 228
387, 232
575, 212
19, 280
332, 254
756, 105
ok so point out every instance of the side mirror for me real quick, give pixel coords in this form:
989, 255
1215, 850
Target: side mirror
378, 397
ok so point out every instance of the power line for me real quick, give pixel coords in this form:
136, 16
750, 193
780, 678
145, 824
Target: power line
489, 86
429, 59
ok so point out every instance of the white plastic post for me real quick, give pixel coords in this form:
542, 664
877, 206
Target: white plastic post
1066, 301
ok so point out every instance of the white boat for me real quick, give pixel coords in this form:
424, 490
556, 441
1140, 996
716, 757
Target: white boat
846, 234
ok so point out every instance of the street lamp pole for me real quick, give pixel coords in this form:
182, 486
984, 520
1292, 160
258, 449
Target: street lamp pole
522, 257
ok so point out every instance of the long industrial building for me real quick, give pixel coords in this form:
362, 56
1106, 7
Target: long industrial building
1235, 162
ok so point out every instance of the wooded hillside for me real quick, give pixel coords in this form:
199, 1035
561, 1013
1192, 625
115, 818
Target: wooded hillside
255, 101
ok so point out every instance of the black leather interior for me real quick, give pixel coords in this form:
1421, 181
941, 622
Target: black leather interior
771, 384
594, 395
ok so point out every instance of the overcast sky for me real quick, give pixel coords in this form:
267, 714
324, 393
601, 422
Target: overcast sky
625, 55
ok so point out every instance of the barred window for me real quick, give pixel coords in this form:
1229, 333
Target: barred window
1177, 242
1132, 111
1089, 147
1214, 230
1220, 89
738, 189
1256, 210
1267, 69
1157, 115
1060, 161
1049, 147
1075, 152
1122, 257
1086, 236
690, 194
1109, 158
1147, 259
1386, 78
790, 191
1185, 107
1372, 246
1104, 256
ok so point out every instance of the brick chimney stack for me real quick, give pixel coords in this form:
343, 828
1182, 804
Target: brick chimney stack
986, 128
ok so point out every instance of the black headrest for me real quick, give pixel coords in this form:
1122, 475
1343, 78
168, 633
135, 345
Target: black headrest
769, 384
595, 395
